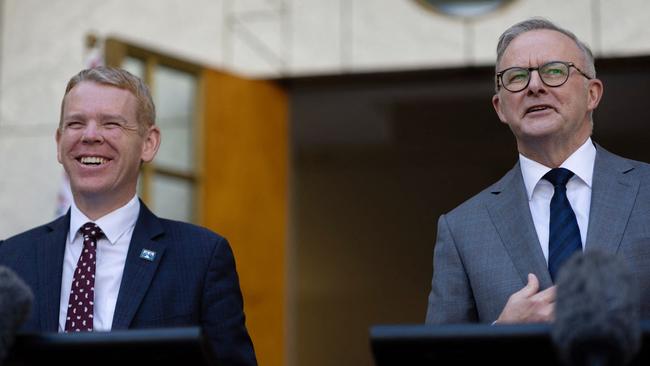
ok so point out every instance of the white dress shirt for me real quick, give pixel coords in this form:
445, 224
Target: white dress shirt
111, 255
540, 191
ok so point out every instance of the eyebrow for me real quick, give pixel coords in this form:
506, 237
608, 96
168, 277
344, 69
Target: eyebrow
102, 117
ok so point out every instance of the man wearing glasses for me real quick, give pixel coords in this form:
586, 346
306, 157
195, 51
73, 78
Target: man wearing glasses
498, 254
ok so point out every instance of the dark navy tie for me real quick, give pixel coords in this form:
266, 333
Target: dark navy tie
564, 234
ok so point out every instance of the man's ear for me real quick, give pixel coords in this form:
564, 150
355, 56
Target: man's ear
595, 93
151, 144
496, 103
57, 138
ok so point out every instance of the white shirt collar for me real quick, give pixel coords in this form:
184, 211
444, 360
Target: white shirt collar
581, 163
114, 224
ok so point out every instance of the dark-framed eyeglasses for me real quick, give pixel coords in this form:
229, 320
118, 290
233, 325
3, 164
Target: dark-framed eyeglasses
553, 74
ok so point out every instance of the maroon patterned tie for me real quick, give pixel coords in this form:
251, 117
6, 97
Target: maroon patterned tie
82, 292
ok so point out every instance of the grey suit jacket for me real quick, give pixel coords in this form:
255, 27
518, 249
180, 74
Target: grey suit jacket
487, 246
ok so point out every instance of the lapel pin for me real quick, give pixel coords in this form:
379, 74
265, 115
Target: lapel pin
147, 254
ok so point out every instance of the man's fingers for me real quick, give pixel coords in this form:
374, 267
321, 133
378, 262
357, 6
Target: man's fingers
546, 311
547, 295
531, 287
529, 304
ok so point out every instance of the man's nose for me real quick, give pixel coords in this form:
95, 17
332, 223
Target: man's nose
536, 85
92, 133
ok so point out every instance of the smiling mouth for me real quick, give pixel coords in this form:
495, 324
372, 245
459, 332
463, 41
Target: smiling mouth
92, 160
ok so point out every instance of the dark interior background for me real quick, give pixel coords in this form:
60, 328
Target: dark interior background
376, 158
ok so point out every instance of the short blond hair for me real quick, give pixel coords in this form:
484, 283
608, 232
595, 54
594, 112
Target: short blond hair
122, 79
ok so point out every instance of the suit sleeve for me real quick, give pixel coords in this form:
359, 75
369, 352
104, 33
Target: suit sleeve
451, 299
222, 311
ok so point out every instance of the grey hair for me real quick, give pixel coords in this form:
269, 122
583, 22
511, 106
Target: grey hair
541, 23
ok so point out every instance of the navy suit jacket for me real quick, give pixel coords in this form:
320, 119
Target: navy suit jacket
192, 281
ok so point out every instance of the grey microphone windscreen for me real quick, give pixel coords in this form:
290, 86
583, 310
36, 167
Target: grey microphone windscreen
596, 311
15, 304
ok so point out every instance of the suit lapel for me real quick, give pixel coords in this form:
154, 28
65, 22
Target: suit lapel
49, 264
138, 272
612, 198
510, 214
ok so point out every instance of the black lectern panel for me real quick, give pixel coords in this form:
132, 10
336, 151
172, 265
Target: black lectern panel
173, 346
460, 344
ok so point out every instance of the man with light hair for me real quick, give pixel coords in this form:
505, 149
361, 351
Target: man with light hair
109, 263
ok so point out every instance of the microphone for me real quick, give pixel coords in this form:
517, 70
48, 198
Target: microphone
15, 304
597, 311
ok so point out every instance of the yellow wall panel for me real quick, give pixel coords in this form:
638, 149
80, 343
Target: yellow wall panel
244, 195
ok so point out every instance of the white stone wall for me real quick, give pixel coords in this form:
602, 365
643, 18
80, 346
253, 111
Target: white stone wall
42, 46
